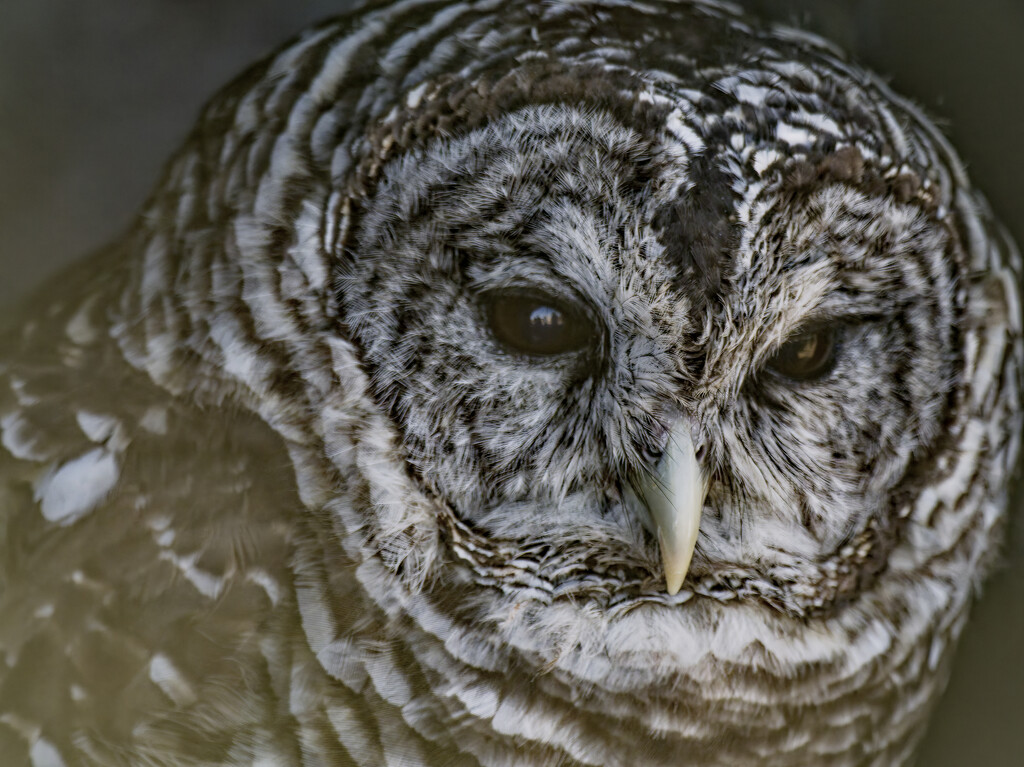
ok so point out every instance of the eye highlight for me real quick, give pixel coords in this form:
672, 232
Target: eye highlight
809, 356
538, 324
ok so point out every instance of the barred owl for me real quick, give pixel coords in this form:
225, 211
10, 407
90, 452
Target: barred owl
522, 383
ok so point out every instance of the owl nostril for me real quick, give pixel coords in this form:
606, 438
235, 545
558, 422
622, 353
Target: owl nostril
653, 451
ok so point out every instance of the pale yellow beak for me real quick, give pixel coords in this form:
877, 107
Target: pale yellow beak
674, 495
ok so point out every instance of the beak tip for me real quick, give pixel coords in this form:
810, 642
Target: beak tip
674, 582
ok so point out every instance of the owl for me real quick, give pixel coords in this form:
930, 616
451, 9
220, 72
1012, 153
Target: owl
522, 384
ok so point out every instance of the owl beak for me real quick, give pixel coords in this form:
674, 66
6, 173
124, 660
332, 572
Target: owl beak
674, 494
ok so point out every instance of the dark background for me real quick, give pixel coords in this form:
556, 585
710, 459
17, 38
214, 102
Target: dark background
95, 94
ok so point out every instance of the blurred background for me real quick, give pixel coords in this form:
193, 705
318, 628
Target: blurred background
95, 94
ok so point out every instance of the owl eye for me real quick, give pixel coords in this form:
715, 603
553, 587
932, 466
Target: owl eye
807, 356
538, 324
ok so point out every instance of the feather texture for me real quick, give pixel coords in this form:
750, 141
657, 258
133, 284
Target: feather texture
273, 492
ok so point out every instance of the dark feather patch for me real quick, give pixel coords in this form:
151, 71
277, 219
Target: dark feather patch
699, 230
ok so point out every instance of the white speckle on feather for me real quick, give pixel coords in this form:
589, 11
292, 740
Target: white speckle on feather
936, 651
306, 252
20, 389
72, 490
206, 583
267, 760
15, 435
154, 420
764, 159
821, 123
751, 94
164, 538
96, 427
44, 754
684, 133
44, 611
266, 581
793, 135
165, 675
415, 96
80, 328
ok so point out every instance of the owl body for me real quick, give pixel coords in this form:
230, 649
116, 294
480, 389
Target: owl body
339, 455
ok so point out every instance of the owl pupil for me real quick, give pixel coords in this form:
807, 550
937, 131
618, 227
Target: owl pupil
538, 324
806, 357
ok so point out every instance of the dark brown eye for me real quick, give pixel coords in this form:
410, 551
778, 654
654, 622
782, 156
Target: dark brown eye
538, 324
806, 357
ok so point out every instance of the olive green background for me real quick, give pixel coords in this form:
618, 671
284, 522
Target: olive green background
95, 94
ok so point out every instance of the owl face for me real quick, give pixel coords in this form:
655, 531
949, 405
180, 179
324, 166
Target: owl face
538, 322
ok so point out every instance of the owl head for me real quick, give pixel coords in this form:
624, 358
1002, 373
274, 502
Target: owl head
699, 299
632, 341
